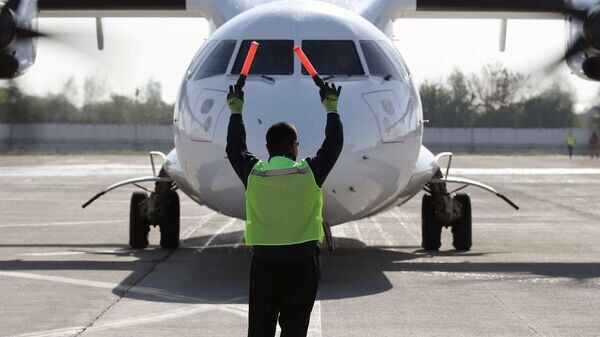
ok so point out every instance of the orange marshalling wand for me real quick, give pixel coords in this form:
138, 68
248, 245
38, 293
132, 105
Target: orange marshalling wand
309, 67
248, 63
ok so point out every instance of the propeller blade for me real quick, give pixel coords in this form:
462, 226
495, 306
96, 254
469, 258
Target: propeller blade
580, 45
23, 33
580, 14
13, 4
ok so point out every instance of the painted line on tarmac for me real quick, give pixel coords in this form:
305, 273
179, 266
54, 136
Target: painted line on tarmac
214, 236
203, 221
77, 170
524, 171
66, 223
193, 309
79, 223
53, 254
103, 285
402, 218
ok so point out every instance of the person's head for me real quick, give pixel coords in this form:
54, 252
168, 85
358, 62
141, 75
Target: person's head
282, 138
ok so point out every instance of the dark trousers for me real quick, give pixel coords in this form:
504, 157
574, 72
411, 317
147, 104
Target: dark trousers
570, 150
283, 289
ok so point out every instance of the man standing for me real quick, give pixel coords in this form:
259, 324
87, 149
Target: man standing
570, 143
284, 223
593, 145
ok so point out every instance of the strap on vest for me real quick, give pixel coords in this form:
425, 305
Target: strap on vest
280, 172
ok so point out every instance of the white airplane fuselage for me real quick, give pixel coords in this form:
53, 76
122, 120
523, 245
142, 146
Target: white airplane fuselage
383, 162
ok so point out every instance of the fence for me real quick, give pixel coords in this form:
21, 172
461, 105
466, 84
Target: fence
503, 140
88, 137
85, 137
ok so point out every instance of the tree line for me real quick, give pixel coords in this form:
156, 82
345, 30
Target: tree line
99, 107
497, 97
493, 97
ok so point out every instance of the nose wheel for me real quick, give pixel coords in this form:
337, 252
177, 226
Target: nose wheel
159, 209
139, 226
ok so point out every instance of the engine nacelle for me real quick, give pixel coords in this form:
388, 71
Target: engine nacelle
586, 62
17, 55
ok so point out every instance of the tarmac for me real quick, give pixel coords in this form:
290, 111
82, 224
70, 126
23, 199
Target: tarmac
65, 271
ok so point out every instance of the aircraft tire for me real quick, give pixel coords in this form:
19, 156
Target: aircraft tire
138, 226
462, 227
431, 230
169, 228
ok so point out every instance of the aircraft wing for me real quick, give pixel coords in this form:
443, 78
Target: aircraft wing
214, 10
380, 10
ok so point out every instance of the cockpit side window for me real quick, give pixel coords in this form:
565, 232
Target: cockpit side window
333, 57
398, 60
274, 57
378, 62
199, 56
216, 63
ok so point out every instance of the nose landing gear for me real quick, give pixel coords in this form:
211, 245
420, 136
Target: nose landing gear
160, 209
441, 208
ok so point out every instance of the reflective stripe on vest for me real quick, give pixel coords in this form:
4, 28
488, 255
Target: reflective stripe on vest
284, 205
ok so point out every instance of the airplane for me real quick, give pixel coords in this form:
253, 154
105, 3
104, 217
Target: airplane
384, 163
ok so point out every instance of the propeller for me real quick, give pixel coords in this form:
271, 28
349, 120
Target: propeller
590, 23
10, 29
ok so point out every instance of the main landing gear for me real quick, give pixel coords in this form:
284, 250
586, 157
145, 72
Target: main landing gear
157, 208
443, 209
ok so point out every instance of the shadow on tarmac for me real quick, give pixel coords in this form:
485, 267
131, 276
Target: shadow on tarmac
219, 273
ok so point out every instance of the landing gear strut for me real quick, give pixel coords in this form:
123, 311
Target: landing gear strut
160, 209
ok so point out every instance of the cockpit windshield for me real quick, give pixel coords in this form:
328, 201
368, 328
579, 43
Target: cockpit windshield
274, 57
378, 62
333, 57
216, 63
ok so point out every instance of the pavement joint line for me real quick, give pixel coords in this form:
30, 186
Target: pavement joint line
121, 296
566, 207
504, 305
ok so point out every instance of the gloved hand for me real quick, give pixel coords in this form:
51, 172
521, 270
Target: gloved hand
235, 99
330, 96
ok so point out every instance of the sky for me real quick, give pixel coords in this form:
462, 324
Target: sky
137, 50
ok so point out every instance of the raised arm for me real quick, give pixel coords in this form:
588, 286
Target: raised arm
240, 158
324, 161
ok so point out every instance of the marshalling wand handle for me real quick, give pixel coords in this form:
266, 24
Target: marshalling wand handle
247, 64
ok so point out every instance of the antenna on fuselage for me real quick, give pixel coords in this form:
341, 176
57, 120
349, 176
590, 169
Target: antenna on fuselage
247, 64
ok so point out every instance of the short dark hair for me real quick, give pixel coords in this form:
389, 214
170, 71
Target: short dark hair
281, 136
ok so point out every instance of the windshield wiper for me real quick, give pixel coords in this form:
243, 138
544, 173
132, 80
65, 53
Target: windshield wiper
269, 78
388, 77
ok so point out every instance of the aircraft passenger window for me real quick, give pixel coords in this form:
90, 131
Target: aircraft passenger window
378, 62
333, 57
216, 63
274, 57
199, 56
